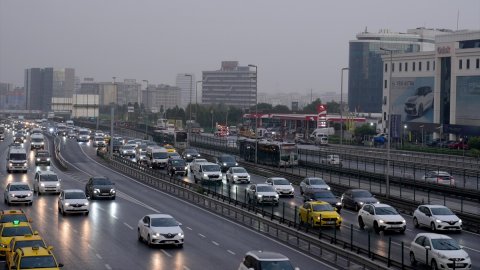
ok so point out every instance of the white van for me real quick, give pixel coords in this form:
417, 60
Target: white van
37, 141
156, 157
208, 173
16, 159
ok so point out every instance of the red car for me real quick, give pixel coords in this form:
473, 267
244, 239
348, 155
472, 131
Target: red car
458, 145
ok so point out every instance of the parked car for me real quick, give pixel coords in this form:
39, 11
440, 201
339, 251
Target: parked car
443, 252
439, 177
260, 260
282, 186
238, 175
436, 217
160, 229
323, 195
459, 145
356, 198
262, 193
313, 183
381, 217
226, 161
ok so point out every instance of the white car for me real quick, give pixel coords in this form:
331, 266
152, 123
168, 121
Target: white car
262, 193
381, 217
439, 177
18, 192
332, 160
73, 201
160, 229
313, 183
195, 163
443, 252
281, 185
99, 141
127, 150
436, 217
46, 181
238, 175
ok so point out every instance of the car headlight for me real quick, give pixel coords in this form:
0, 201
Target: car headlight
460, 221
38, 159
156, 235
338, 203
361, 203
186, 167
96, 190
42, 184
276, 196
328, 188
25, 164
112, 190
86, 204
235, 177
404, 221
224, 164
259, 195
467, 257
188, 155
58, 184
67, 204
10, 164
29, 194
236, 164
438, 221
381, 221
48, 159
42, 143
205, 175
181, 234
12, 195
3, 245
318, 217
441, 256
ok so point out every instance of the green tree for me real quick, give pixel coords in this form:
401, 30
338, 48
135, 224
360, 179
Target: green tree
312, 107
365, 130
474, 143
333, 107
280, 109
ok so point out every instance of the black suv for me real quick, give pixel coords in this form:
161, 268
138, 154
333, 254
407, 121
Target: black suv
42, 157
100, 187
323, 195
190, 154
225, 162
177, 166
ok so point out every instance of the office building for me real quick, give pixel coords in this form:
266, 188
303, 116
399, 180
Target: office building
161, 97
365, 63
232, 85
186, 83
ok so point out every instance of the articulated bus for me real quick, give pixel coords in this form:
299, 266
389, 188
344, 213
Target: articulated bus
178, 138
274, 153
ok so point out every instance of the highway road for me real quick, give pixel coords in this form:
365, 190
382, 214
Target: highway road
379, 242
107, 238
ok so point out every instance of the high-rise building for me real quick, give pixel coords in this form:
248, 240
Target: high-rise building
186, 83
43, 84
128, 92
161, 98
232, 85
365, 63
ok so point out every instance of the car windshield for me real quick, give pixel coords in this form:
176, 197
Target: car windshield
239, 170
191, 152
19, 187
211, 168
322, 207
43, 154
265, 189
98, 139
19, 156
12, 217
29, 243
75, 195
173, 154
280, 182
178, 162
101, 182
361, 194
199, 160
16, 231
160, 155
37, 140
129, 147
442, 211
445, 244
382, 211
32, 262
227, 159
276, 265
326, 194
163, 222
83, 132
317, 181
49, 177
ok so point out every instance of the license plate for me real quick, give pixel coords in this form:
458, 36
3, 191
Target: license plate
105, 193
169, 242
330, 222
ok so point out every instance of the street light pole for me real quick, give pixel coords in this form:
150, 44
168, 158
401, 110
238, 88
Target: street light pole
256, 111
388, 122
146, 112
341, 106
196, 100
190, 108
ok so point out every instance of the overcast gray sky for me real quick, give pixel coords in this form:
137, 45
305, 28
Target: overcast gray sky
297, 44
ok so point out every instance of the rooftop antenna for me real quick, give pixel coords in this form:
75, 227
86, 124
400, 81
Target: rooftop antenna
458, 16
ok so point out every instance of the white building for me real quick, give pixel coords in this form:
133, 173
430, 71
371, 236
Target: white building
186, 83
161, 98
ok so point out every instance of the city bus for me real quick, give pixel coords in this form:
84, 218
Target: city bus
177, 138
273, 153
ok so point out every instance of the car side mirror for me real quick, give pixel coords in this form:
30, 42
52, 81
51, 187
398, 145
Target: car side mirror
50, 247
200, 170
179, 224
30, 220
35, 233
428, 215
60, 265
428, 248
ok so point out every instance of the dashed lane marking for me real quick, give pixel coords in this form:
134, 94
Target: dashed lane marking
189, 228
201, 235
128, 226
108, 267
98, 256
231, 252
215, 243
166, 253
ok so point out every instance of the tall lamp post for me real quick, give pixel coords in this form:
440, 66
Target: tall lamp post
341, 105
389, 138
256, 111
146, 112
190, 105
196, 100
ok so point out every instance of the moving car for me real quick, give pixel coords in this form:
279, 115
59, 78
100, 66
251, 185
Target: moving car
226, 161
436, 217
100, 187
281, 185
238, 175
443, 252
83, 135
260, 260
313, 183
207, 173
381, 217
319, 214
18, 192
46, 181
37, 141
190, 154
439, 177
73, 201
332, 160
99, 141
356, 198
177, 166
42, 157
196, 163
262, 193
34, 257
160, 229
127, 150
156, 157
323, 195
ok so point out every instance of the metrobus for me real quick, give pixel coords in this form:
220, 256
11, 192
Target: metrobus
274, 153
177, 138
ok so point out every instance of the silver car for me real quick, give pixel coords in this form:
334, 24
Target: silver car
238, 175
262, 193
313, 183
18, 192
73, 201
160, 229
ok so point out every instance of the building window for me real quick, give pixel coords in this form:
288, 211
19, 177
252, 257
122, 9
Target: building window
406, 66
460, 64
478, 63
433, 65
413, 66
419, 66
385, 84
468, 63
386, 67
428, 65
399, 67
393, 67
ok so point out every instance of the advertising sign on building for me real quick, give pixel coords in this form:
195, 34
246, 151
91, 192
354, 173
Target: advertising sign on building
412, 99
468, 100
322, 116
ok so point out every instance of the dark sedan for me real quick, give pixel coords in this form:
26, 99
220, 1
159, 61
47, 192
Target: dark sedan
225, 162
190, 154
356, 198
42, 157
177, 166
100, 187
324, 196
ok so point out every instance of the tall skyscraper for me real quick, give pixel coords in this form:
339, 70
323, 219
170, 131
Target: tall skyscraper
187, 87
231, 85
365, 63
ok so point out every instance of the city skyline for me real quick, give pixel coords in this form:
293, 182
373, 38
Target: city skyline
151, 45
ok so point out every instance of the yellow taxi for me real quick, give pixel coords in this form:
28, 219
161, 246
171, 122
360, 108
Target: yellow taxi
319, 213
10, 230
8, 216
27, 240
170, 149
34, 258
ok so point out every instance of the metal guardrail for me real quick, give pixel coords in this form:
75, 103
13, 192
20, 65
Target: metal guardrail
57, 152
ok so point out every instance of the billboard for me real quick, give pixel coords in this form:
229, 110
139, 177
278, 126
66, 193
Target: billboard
412, 99
468, 99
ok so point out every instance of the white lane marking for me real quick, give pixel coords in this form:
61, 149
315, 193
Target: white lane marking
98, 256
115, 217
215, 243
90, 247
201, 235
216, 215
108, 267
472, 249
166, 253
189, 228
99, 207
231, 252
128, 226
186, 268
